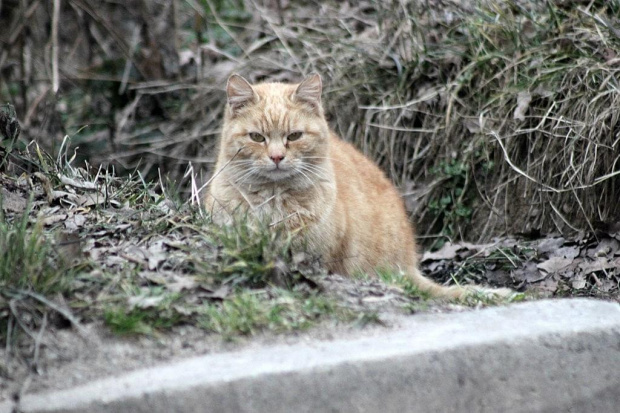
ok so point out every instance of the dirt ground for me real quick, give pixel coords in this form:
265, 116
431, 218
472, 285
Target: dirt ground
69, 357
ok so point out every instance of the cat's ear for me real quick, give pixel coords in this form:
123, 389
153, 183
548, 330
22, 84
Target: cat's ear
239, 92
309, 91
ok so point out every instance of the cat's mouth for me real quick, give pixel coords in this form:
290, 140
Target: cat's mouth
277, 173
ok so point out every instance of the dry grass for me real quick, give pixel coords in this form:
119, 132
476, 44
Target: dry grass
493, 117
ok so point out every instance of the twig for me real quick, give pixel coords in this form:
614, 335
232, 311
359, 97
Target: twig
7, 346
37, 343
55, 18
516, 168
401, 129
220, 170
63, 311
557, 211
404, 106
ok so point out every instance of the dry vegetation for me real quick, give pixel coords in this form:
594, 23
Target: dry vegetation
494, 118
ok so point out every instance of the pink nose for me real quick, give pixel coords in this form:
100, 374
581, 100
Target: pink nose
276, 158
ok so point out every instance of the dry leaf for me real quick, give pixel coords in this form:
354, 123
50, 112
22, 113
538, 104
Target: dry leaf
219, 294
145, 302
154, 277
523, 103
12, 202
77, 184
181, 283
566, 252
550, 245
446, 252
75, 222
554, 264
579, 282
600, 264
51, 220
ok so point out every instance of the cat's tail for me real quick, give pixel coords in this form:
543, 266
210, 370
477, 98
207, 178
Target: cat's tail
455, 291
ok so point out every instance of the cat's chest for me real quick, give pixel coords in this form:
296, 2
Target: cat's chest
275, 201
294, 209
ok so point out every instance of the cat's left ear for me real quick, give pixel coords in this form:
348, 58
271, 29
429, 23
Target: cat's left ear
309, 91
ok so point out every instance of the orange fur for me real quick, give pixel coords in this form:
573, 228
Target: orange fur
350, 213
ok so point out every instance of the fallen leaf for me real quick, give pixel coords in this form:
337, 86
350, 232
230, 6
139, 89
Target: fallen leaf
566, 252
155, 255
51, 220
550, 245
549, 285
154, 277
219, 294
145, 302
529, 273
12, 202
608, 285
446, 252
523, 103
600, 264
78, 184
579, 282
181, 283
75, 222
554, 264
84, 200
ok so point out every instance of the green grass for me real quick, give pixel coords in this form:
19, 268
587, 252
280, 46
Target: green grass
248, 313
250, 253
28, 260
137, 321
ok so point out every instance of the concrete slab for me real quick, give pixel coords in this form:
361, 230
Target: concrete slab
545, 356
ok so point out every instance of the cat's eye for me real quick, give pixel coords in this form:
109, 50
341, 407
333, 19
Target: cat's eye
294, 136
257, 137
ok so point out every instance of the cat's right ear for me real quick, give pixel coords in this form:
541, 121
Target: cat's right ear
239, 92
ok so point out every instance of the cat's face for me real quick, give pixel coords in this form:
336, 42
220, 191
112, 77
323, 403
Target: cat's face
274, 132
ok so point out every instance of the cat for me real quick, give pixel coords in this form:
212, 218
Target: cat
278, 158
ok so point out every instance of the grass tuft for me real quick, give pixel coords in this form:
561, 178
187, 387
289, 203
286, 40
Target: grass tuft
249, 252
248, 313
28, 261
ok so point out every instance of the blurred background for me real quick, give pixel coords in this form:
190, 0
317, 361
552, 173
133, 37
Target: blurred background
492, 117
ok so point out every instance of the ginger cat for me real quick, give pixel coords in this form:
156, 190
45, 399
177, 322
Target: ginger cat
279, 159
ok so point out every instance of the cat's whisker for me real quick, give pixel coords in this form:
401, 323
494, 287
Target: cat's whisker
312, 174
307, 178
243, 162
221, 169
315, 168
321, 175
323, 157
245, 175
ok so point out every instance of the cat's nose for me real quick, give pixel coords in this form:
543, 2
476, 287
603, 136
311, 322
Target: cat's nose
276, 158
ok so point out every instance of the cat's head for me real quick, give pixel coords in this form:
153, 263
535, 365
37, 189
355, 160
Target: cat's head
274, 132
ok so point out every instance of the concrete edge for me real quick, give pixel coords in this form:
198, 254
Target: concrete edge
565, 347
